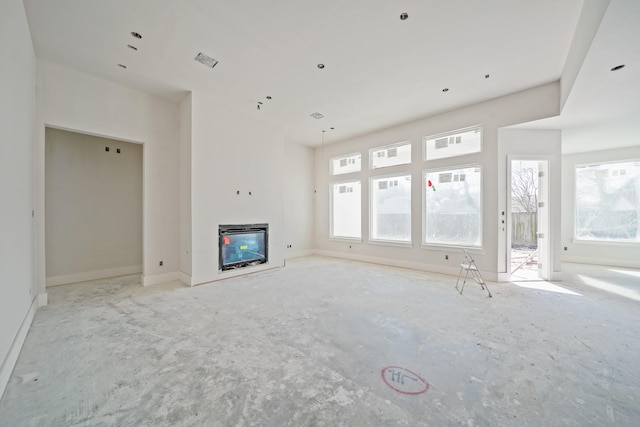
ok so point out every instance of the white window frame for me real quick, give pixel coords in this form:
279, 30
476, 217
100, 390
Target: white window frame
332, 236
386, 148
431, 245
399, 175
575, 206
425, 155
332, 160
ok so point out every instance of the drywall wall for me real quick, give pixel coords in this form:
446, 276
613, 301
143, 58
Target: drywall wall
73, 100
237, 162
185, 189
93, 224
532, 145
516, 108
18, 295
609, 253
298, 200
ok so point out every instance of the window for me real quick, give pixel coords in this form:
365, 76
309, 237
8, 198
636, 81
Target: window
452, 206
345, 164
391, 208
345, 210
390, 155
608, 202
450, 144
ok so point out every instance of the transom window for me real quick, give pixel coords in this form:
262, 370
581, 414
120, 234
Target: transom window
455, 143
345, 164
390, 155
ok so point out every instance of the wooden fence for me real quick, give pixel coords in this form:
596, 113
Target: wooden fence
523, 229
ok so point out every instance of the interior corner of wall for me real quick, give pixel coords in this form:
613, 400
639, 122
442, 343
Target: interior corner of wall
43, 299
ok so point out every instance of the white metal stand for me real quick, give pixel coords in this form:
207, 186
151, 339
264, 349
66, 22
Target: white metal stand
469, 265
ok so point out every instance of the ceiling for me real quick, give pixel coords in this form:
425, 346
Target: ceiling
603, 108
379, 70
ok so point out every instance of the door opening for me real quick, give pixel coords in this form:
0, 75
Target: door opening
529, 253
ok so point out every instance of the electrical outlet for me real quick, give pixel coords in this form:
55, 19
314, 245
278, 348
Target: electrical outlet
161, 263
446, 257
565, 248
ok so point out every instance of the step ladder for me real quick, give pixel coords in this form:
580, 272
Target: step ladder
469, 266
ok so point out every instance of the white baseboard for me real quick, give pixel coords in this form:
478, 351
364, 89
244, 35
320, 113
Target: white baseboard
92, 275
601, 261
298, 254
12, 356
185, 278
43, 299
162, 278
433, 268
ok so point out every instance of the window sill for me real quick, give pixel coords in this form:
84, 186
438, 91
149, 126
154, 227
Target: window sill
449, 248
603, 242
345, 239
396, 243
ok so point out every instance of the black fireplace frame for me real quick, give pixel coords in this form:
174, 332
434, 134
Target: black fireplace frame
227, 256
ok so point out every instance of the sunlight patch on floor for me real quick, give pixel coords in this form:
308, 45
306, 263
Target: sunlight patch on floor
627, 272
610, 287
546, 286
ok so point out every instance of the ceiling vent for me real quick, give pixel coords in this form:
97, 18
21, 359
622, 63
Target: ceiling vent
206, 60
316, 115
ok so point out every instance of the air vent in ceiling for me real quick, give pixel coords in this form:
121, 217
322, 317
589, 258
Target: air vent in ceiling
206, 60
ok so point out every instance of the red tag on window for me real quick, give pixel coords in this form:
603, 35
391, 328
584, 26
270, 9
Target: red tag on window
227, 240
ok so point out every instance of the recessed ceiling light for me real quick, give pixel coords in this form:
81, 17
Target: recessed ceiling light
332, 128
206, 60
268, 97
136, 35
618, 67
446, 89
486, 76
404, 16
132, 47
122, 66
321, 66
317, 115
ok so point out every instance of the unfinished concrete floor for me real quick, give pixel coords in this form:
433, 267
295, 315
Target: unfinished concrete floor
307, 345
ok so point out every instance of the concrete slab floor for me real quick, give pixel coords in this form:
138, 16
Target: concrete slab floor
307, 345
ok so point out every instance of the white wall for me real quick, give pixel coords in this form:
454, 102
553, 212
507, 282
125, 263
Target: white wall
18, 295
93, 225
538, 145
614, 254
298, 200
69, 99
533, 104
233, 151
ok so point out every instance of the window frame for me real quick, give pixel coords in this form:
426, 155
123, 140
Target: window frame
432, 245
387, 147
372, 240
344, 156
332, 235
596, 241
425, 156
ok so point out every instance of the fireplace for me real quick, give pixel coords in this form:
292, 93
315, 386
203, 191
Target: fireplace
242, 245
